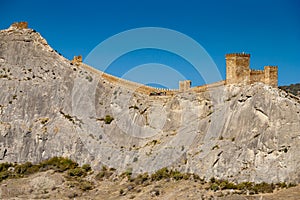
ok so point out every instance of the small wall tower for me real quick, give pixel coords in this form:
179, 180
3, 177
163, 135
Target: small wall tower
20, 25
77, 60
184, 85
238, 68
271, 75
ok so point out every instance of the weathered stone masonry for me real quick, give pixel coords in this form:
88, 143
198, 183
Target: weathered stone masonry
238, 71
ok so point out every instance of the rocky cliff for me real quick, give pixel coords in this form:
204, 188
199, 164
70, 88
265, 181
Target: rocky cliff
51, 107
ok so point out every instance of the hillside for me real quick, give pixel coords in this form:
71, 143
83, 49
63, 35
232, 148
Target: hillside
61, 178
50, 107
293, 89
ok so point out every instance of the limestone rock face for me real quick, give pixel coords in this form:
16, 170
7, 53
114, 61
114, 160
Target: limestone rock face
50, 107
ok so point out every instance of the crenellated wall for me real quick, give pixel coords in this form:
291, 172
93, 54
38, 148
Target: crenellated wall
128, 84
257, 76
237, 72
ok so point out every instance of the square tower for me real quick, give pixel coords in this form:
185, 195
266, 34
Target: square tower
184, 85
271, 75
237, 68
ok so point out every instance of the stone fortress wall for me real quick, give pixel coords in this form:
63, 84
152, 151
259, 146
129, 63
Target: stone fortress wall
237, 72
77, 60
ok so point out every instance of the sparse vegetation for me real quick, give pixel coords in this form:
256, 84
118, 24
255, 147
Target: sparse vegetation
86, 167
58, 164
76, 177
293, 89
105, 173
245, 187
89, 78
78, 171
107, 119
165, 173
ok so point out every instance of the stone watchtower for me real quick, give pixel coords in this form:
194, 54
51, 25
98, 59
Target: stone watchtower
237, 68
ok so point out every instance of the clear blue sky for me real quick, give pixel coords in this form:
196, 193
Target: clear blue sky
268, 30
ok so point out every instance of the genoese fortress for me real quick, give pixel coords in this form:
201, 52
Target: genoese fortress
237, 72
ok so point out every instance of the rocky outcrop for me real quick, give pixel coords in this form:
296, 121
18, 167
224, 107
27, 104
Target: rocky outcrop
50, 107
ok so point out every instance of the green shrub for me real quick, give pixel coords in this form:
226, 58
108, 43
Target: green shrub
26, 168
4, 175
86, 167
229, 186
244, 186
214, 187
108, 119
213, 180
4, 166
128, 172
222, 184
105, 173
176, 175
59, 164
89, 78
100, 175
79, 172
291, 185
141, 178
160, 174
263, 188
281, 185
85, 185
